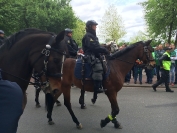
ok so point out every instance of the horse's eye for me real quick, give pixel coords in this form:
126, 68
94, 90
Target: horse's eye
56, 60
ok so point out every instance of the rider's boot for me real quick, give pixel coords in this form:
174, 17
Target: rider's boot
98, 87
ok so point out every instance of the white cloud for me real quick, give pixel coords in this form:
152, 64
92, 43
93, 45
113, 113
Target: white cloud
129, 10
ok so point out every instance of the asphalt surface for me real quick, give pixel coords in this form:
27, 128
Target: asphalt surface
141, 111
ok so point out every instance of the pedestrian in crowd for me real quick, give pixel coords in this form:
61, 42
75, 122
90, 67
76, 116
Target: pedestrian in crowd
138, 71
175, 68
71, 44
158, 53
153, 55
172, 68
1, 37
80, 53
167, 45
165, 64
149, 75
127, 78
11, 98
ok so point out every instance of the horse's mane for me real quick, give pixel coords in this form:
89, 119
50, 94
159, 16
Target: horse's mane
9, 41
123, 51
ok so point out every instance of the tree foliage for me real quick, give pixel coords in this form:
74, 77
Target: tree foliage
79, 32
139, 36
112, 27
49, 15
160, 16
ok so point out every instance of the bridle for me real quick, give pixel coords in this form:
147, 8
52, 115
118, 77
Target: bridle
45, 52
147, 52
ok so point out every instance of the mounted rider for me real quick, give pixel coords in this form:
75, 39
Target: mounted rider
93, 49
71, 44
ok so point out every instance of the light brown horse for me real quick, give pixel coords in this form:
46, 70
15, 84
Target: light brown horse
120, 63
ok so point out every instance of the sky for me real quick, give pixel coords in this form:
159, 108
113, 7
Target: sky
132, 14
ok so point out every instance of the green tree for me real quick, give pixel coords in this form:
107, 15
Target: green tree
139, 36
160, 16
49, 15
79, 31
112, 27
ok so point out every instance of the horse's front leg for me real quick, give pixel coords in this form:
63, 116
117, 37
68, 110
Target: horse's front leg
49, 104
81, 100
37, 97
66, 93
112, 96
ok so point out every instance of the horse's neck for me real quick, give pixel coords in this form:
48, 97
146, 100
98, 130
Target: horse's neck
126, 61
15, 61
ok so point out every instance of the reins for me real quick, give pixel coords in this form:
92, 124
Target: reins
31, 83
125, 61
145, 49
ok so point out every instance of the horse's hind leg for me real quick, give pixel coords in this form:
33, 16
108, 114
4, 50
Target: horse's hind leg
81, 100
37, 98
49, 104
67, 103
94, 97
115, 111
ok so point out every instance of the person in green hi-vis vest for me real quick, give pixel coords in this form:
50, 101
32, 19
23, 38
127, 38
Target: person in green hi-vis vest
165, 64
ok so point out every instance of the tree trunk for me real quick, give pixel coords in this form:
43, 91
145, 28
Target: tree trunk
169, 36
176, 40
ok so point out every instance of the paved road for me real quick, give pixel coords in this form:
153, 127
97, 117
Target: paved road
141, 111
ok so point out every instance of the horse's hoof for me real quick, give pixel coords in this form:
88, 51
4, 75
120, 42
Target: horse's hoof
83, 106
79, 126
93, 101
51, 123
58, 104
38, 105
103, 123
118, 125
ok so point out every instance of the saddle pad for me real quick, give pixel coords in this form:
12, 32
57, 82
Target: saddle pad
87, 70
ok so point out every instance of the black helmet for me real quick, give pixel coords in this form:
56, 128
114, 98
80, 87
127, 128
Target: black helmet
67, 30
90, 23
1, 32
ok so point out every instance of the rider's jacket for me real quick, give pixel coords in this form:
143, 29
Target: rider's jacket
90, 45
72, 46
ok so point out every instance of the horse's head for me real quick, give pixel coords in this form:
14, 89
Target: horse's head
111, 47
146, 55
51, 61
114, 47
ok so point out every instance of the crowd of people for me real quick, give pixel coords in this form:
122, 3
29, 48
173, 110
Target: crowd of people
156, 75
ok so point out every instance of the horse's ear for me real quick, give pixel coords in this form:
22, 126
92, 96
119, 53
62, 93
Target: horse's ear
60, 36
148, 42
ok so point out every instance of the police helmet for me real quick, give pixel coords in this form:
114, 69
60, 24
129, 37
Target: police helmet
90, 23
1, 32
67, 30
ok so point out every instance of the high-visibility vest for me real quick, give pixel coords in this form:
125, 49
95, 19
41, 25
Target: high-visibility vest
167, 63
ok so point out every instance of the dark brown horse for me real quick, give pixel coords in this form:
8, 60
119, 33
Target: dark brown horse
33, 49
120, 64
